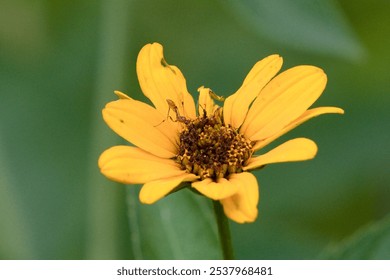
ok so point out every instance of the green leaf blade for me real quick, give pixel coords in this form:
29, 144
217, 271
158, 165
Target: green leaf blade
316, 26
180, 226
370, 243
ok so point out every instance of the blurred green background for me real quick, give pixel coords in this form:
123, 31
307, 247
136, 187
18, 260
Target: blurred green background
60, 62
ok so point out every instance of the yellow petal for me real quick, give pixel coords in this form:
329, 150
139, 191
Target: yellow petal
160, 81
242, 206
121, 95
155, 190
232, 213
293, 150
142, 125
228, 108
215, 190
205, 103
131, 165
283, 100
236, 105
309, 114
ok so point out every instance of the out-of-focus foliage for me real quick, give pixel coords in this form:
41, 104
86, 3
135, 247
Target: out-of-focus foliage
60, 62
372, 242
179, 227
308, 25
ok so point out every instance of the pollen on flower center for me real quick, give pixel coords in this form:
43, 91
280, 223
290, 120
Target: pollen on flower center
211, 149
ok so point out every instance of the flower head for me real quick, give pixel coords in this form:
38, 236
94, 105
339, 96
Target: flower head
214, 149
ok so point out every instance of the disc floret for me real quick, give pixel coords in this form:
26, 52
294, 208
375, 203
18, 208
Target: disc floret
211, 149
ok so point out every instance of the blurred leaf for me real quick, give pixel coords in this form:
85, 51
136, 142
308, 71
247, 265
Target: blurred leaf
180, 226
312, 25
43, 129
13, 226
371, 242
107, 230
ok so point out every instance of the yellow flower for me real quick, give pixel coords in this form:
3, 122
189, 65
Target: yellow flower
214, 149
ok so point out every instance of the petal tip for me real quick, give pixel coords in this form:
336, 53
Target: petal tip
277, 57
144, 198
121, 95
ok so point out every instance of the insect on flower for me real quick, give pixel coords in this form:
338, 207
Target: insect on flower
179, 118
214, 96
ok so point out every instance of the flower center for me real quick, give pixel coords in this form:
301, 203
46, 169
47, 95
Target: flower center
211, 149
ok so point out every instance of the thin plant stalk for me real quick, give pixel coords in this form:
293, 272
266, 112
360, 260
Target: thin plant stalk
223, 231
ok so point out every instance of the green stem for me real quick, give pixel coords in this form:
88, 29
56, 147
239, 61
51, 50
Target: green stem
224, 231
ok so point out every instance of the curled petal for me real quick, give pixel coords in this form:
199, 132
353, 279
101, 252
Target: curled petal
242, 206
160, 81
215, 190
206, 103
155, 190
309, 114
131, 165
283, 100
143, 126
236, 105
297, 149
